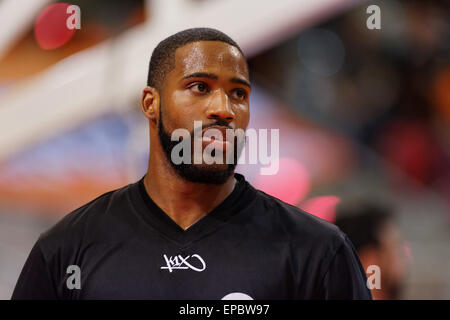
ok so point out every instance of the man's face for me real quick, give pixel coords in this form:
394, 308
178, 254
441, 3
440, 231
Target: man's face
392, 260
209, 83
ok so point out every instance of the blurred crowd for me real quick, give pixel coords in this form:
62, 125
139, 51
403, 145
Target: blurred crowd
388, 89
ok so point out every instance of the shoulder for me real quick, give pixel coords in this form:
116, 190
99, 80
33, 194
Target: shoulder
298, 225
310, 242
93, 219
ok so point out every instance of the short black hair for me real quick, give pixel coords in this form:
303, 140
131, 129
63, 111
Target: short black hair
361, 220
163, 56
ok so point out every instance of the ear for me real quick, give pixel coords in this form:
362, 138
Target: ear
150, 103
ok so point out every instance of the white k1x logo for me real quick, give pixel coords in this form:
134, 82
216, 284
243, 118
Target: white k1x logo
178, 262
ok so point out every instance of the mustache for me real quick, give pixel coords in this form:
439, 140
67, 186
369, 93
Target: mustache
218, 123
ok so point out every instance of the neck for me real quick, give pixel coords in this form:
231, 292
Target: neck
183, 201
378, 294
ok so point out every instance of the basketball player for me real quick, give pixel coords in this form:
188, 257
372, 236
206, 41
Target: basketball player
192, 230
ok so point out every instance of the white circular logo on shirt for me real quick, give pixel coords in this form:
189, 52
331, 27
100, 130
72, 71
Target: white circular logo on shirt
237, 296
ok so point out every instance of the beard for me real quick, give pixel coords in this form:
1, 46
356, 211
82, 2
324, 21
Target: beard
198, 173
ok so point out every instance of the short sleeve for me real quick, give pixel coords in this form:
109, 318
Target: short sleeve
345, 278
35, 281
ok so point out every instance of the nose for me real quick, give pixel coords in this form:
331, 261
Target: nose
220, 107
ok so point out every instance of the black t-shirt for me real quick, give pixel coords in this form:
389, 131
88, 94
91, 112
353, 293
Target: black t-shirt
250, 246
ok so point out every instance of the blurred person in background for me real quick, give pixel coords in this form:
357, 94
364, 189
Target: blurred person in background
372, 229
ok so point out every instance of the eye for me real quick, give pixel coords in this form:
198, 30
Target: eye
199, 87
240, 94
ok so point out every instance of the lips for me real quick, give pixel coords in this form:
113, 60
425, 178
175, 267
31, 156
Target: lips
211, 134
214, 140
